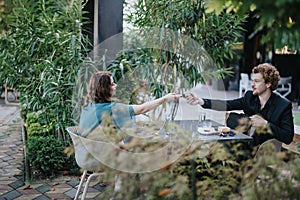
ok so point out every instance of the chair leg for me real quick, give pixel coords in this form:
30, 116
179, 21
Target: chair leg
80, 184
87, 184
240, 90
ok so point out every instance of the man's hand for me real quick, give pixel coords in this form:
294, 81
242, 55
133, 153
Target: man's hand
193, 100
258, 121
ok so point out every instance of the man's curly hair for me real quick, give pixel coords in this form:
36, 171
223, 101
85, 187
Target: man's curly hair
270, 74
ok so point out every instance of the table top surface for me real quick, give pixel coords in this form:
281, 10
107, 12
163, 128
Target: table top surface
192, 126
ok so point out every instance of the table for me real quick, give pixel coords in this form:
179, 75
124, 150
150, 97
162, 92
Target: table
192, 126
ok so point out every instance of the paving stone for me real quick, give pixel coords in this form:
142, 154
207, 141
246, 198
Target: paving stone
17, 184
28, 191
11, 154
99, 187
35, 185
2, 192
11, 195
92, 190
5, 145
7, 158
61, 185
71, 193
57, 190
92, 195
73, 183
42, 197
28, 197
3, 164
57, 196
6, 182
43, 188
18, 156
5, 187
12, 170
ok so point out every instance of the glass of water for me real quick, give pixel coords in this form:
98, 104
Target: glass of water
201, 118
207, 125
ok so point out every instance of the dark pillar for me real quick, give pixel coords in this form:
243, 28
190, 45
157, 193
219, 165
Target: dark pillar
110, 18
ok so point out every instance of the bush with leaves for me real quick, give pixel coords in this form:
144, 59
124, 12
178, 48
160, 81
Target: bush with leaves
36, 125
217, 34
41, 56
279, 17
45, 154
218, 175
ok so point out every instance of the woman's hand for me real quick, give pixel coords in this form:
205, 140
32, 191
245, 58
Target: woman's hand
171, 97
145, 107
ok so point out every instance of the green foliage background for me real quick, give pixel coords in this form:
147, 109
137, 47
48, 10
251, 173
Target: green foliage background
217, 34
41, 56
280, 18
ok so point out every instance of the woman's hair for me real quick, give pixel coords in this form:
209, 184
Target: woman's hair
99, 90
270, 74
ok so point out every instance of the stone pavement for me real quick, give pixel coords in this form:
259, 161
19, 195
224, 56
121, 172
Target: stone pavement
12, 176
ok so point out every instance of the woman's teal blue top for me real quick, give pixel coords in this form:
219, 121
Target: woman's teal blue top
92, 116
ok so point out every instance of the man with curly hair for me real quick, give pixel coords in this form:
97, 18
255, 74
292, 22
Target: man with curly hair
268, 112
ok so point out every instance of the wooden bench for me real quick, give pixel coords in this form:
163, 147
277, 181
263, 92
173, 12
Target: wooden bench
14, 92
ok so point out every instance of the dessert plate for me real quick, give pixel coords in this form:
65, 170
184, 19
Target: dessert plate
205, 131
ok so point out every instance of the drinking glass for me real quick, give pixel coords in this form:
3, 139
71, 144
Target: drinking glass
201, 118
207, 125
167, 125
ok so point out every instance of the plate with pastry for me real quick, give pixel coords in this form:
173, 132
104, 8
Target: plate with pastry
207, 131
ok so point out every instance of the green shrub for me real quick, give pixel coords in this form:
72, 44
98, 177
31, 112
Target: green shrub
37, 126
36, 129
41, 55
45, 154
33, 117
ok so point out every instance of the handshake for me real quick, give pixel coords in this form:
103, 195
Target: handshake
193, 99
190, 97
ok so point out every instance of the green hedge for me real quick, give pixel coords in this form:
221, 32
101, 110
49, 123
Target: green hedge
45, 154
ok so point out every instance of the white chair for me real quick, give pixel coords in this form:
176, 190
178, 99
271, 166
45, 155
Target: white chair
84, 160
245, 84
285, 86
277, 147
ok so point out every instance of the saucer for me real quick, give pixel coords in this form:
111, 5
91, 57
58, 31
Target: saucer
203, 131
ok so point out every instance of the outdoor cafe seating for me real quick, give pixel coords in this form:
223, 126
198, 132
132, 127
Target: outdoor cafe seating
91, 154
